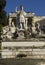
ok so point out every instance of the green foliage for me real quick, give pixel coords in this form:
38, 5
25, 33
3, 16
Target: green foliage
3, 17
0, 31
2, 4
1, 27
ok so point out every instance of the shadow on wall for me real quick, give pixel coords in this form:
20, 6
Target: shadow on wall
21, 55
42, 25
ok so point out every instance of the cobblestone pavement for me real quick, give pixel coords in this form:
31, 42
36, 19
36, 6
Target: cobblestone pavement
22, 62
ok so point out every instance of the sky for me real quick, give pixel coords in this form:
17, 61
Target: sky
36, 6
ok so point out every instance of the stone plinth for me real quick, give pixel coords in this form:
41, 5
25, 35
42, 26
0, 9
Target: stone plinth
21, 34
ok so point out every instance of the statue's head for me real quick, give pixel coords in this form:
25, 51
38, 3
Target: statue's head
21, 7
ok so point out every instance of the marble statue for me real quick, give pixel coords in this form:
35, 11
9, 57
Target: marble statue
8, 31
37, 25
34, 28
19, 27
22, 21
